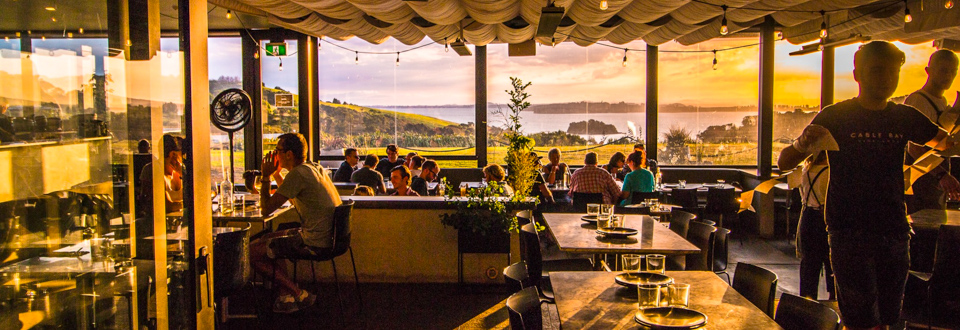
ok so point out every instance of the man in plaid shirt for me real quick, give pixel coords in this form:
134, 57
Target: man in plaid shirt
592, 179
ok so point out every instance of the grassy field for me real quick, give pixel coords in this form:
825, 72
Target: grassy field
412, 118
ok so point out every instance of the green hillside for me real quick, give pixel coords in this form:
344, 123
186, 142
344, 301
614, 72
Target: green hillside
373, 113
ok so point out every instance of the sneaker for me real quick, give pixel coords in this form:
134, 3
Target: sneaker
285, 304
306, 299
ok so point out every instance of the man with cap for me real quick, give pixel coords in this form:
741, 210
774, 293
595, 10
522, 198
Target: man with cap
392, 160
592, 179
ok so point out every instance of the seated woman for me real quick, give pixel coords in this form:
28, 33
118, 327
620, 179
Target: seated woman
638, 180
495, 173
555, 170
400, 177
172, 172
615, 165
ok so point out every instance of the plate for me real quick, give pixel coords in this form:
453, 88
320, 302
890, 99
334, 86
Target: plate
670, 318
617, 232
632, 280
589, 218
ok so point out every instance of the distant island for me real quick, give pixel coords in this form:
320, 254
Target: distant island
592, 127
584, 107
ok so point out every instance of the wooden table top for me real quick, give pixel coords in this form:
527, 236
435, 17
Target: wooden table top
592, 300
932, 219
575, 235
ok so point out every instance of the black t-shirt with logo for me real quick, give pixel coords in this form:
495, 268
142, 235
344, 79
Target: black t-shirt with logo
866, 175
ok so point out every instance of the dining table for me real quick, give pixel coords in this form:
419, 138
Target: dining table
593, 300
578, 236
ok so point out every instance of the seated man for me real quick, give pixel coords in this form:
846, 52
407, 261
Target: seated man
172, 181
350, 160
495, 173
592, 179
368, 177
400, 177
315, 198
388, 163
428, 173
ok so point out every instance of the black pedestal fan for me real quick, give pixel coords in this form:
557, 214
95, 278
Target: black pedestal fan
230, 112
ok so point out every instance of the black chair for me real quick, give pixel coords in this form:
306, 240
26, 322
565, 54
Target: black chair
799, 313
687, 198
524, 310
722, 205
638, 197
704, 237
758, 285
516, 277
580, 200
539, 269
705, 221
680, 221
721, 252
934, 298
341, 245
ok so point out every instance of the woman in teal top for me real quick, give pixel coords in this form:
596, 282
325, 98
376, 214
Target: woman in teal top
639, 179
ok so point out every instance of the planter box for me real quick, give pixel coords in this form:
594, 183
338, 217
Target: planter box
470, 242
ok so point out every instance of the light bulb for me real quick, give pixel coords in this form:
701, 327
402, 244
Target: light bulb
256, 55
446, 46
53, 19
604, 5
398, 58
907, 18
820, 46
553, 41
69, 34
715, 60
81, 30
6, 38
624, 58
723, 22
281, 65
356, 60
45, 38
823, 24
229, 14
779, 35
948, 4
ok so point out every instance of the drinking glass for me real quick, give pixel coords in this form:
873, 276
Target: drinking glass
593, 209
678, 295
606, 209
616, 220
239, 200
603, 220
683, 183
655, 263
631, 263
721, 182
648, 296
463, 189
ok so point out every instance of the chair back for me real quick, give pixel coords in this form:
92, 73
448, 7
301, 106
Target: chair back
524, 217
531, 252
341, 228
703, 236
580, 200
705, 221
685, 197
945, 281
524, 310
721, 250
516, 277
756, 284
799, 313
637, 197
680, 221
722, 200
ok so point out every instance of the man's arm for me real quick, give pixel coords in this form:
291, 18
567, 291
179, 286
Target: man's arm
269, 203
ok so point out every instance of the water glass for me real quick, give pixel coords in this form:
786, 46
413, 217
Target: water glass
603, 221
606, 209
239, 200
593, 209
631, 263
683, 183
721, 182
463, 189
648, 296
678, 295
616, 220
655, 263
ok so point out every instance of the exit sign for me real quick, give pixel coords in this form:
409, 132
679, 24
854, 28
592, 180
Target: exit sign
277, 49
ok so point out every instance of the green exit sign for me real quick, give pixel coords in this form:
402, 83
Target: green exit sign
277, 49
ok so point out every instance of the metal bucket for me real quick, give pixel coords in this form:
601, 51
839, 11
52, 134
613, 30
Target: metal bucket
231, 259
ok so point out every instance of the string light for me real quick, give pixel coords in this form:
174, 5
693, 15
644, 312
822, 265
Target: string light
948, 4
715, 59
6, 38
446, 46
823, 24
356, 60
320, 43
256, 54
723, 22
604, 5
779, 35
907, 18
45, 38
81, 30
625, 58
54, 19
281, 64
229, 14
398, 58
553, 42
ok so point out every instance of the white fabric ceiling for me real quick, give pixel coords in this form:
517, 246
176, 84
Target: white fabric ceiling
653, 21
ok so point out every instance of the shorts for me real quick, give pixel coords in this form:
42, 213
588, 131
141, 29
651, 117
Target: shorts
870, 270
289, 244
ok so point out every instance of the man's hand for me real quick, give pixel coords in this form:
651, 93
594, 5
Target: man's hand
950, 186
810, 135
270, 165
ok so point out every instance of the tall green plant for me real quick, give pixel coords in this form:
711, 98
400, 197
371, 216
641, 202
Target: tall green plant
520, 164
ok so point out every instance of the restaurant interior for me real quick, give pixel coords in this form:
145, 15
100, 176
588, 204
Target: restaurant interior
93, 239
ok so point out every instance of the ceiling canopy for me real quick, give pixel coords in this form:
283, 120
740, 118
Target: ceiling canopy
584, 22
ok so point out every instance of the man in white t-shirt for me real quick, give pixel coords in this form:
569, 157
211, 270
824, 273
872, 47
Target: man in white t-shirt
315, 198
931, 191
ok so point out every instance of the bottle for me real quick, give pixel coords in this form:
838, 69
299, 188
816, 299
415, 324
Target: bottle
566, 179
226, 196
441, 189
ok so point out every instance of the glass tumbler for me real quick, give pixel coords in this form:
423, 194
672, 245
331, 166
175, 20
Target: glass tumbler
648, 296
655, 263
631, 263
678, 295
593, 209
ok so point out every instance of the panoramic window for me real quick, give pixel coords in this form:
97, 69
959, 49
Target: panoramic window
225, 72
582, 99
422, 101
280, 82
707, 112
796, 94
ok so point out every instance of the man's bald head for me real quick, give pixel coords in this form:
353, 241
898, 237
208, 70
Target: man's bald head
941, 70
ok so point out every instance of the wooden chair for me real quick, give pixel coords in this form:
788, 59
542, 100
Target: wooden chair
704, 237
756, 284
799, 313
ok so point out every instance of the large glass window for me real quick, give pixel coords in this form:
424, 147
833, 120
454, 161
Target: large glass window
279, 74
796, 94
582, 99
423, 103
226, 72
708, 116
